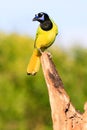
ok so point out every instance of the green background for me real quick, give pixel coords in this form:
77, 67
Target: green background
24, 100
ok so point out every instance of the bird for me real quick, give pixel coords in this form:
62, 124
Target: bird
45, 36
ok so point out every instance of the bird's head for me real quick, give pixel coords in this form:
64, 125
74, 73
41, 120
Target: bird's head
41, 17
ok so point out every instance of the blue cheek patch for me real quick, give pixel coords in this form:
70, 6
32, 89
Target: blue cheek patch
41, 18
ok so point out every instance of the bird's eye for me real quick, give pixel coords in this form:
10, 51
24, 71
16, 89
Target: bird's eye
40, 15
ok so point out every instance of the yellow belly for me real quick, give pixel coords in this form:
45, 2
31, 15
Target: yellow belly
45, 38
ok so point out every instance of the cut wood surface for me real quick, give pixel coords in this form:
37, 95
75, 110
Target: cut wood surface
64, 114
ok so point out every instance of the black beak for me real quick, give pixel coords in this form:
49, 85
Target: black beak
35, 18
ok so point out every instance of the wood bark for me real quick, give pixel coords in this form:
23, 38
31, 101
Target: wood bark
64, 115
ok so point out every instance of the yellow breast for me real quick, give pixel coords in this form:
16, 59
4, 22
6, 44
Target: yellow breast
45, 38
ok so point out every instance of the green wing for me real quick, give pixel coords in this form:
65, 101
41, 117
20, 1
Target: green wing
37, 33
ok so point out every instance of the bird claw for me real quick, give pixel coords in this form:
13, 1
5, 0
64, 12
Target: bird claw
40, 50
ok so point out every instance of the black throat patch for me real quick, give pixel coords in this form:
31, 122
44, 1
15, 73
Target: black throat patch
46, 25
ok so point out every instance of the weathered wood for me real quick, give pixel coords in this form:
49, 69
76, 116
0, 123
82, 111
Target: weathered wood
64, 115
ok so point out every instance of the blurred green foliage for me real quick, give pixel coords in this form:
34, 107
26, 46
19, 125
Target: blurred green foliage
24, 101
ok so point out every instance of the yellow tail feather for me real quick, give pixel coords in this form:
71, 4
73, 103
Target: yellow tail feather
34, 63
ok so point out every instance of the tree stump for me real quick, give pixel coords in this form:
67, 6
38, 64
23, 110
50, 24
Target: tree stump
64, 115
